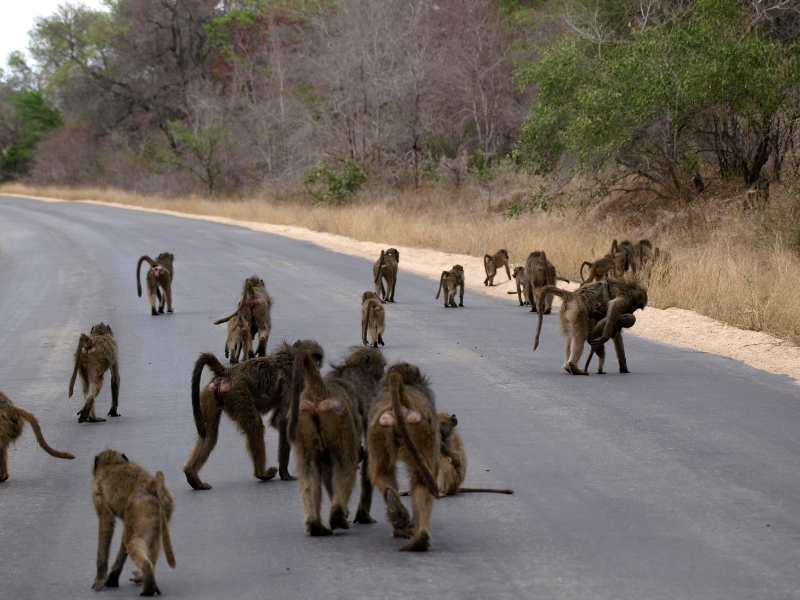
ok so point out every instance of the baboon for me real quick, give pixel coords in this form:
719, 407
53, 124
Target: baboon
625, 321
239, 340
539, 272
403, 425
125, 490
373, 318
609, 298
12, 422
452, 281
96, 353
386, 268
255, 305
519, 277
245, 392
326, 421
642, 252
757, 197
626, 250
159, 281
608, 266
492, 264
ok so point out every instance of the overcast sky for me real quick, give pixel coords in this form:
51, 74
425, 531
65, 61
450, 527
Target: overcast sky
17, 20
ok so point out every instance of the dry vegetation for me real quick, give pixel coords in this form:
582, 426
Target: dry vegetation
731, 265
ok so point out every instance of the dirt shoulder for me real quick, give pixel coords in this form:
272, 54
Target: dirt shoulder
674, 326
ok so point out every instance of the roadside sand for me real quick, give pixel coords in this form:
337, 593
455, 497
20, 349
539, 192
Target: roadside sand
675, 326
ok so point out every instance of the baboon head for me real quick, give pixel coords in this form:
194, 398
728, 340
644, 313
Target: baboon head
101, 329
368, 296
108, 457
166, 256
312, 348
395, 253
370, 359
504, 252
518, 272
447, 423
408, 373
639, 297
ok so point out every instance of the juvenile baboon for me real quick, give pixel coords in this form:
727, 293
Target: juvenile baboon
245, 392
239, 340
610, 298
626, 251
255, 305
642, 252
625, 321
452, 281
326, 421
125, 490
373, 318
608, 266
519, 278
159, 281
12, 422
539, 272
386, 268
492, 264
403, 426
96, 353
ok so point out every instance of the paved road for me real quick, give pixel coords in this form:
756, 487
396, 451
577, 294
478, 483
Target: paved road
681, 480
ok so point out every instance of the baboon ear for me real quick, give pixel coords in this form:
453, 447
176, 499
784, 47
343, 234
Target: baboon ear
366, 359
453, 420
126, 458
296, 344
96, 458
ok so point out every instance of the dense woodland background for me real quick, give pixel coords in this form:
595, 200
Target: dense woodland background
659, 98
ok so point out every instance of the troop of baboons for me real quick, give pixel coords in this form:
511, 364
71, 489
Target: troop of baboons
360, 416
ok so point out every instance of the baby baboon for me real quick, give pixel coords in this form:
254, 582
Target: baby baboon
403, 425
125, 490
596, 330
96, 353
245, 392
519, 277
452, 281
239, 340
326, 421
12, 422
539, 272
386, 268
492, 264
373, 318
159, 280
608, 266
627, 251
610, 298
255, 305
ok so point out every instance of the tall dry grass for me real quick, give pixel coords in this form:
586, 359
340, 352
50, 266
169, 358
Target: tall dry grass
723, 265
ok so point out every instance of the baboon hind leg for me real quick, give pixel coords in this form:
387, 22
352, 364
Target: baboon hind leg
620, 349
263, 337
422, 501
3, 462
344, 479
383, 476
253, 428
168, 295
576, 342
91, 389
116, 568
114, 390
201, 451
365, 500
311, 495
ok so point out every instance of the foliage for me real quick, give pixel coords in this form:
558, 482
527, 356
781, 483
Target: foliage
327, 186
29, 118
199, 150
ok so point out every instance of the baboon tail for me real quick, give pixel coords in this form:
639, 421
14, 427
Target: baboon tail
396, 387
206, 359
441, 284
583, 265
564, 279
493, 490
365, 324
304, 369
380, 266
486, 259
226, 319
548, 289
151, 262
549, 273
81, 344
166, 540
37, 431
588, 360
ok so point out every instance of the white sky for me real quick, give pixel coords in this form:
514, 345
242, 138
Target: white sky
16, 20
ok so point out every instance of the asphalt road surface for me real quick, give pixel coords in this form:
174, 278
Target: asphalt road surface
680, 480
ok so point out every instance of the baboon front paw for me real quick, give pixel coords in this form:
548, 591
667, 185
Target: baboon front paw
404, 532
95, 420
317, 529
286, 477
113, 413
113, 580
137, 576
169, 310
2, 479
600, 372
150, 590
339, 520
624, 370
268, 474
99, 584
419, 544
547, 311
161, 310
195, 482
363, 518
153, 312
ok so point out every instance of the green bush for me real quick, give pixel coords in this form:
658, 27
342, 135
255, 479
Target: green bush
327, 186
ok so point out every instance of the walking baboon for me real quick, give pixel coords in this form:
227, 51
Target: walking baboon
403, 425
255, 305
239, 340
245, 392
492, 264
608, 266
373, 318
386, 268
96, 353
159, 281
452, 281
326, 421
625, 321
626, 251
519, 278
125, 490
609, 298
12, 422
539, 272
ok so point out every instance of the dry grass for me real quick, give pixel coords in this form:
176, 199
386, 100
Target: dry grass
722, 267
